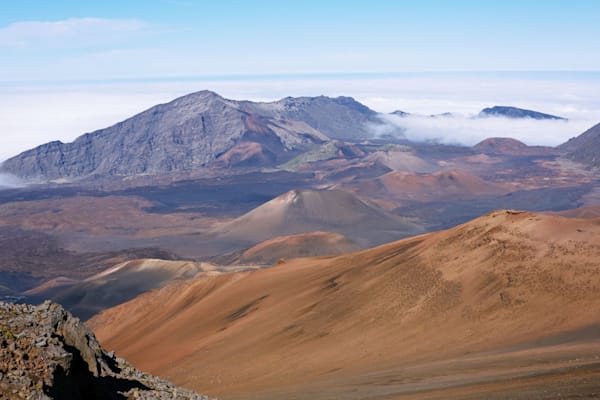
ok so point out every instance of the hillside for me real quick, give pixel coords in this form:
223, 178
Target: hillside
584, 148
502, 307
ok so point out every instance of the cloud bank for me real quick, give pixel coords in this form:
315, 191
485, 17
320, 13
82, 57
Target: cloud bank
465, 130
8, 181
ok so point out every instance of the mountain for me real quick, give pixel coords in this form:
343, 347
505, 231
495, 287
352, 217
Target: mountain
514, 112
502, 307
198, 130
584, 148
303, 211
46, 353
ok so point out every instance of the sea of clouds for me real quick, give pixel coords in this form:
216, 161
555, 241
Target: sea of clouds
470, 130
36, 113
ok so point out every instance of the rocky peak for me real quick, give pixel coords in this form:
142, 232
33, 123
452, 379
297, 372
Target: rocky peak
46, 353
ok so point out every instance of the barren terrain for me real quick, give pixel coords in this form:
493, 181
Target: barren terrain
504, 306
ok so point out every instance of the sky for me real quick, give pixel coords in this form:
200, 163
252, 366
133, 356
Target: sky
68, 67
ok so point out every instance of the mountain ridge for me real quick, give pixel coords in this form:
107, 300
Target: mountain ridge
193, 131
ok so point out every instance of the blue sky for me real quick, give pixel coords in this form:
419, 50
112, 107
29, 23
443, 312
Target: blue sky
62, 40
70, 67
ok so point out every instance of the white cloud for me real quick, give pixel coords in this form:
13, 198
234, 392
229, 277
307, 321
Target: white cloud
465, 130
8, 181
72, 32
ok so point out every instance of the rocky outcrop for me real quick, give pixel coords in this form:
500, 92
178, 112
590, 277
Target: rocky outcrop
45, 353
201, 129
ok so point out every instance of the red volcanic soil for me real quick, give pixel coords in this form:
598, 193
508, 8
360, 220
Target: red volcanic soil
246, 154
295, 246
503, 307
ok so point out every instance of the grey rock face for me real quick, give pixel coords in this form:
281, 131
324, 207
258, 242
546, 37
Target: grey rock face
45, 353
194, 131
338, 118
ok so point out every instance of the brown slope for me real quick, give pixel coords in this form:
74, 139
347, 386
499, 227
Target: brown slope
99, 216
302, 211
584, 212
439, 186
302, 245
480, 308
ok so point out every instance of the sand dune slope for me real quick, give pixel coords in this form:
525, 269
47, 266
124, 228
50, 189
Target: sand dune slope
503, 305
302, 245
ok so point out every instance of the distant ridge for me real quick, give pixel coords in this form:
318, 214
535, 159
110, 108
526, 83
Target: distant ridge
515, 112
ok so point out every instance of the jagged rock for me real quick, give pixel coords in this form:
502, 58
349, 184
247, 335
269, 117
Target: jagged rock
46, 353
